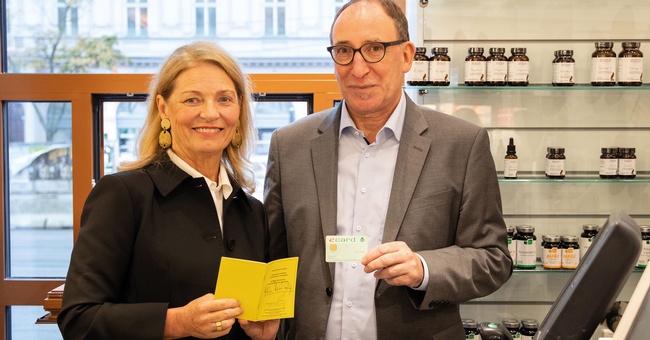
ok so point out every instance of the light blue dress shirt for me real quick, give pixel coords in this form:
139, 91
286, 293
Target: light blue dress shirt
365, 177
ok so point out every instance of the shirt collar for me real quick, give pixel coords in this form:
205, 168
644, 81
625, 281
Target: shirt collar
395, 123
223, 184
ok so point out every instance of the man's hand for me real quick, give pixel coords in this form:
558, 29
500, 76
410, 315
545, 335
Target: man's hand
395, 263
260, 330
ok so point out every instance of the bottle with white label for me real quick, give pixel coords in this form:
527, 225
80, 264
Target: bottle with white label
608, 163
475, 67
555, 163
526, 247
518, 67
418, 75
439, 67
644, 257
564, 68
603, 64
630, 64
589, 232
497, 67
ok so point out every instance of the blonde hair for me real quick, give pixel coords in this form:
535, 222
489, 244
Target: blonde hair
236, 159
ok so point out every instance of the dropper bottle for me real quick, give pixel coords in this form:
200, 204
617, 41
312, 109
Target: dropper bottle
511, 161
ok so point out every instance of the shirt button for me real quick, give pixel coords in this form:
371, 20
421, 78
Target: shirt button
363, 190
367, 154
349, 303
354, 264
358, 228
356, 133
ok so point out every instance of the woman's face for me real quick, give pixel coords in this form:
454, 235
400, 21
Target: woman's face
203, 109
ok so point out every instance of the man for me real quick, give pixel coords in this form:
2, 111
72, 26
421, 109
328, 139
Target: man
420, 186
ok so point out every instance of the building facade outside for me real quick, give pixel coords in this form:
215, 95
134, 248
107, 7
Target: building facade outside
267, 36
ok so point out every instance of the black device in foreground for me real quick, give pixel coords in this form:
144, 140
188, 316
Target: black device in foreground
593, 287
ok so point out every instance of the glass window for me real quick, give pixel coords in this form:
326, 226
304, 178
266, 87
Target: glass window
274, 19
23, 324
122, 120
271, 112
137, 18
39, 181
118, 36
206, 18
68, 17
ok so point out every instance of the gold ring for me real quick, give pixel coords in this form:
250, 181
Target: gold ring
218, 324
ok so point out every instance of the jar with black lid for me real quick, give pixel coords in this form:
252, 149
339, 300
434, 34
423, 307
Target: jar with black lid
471, 329
526, 247
439, 67
551, 252
603, 64
418, 75
518, 67
570, 252
630, 64
589, 232
512, 325
528, 329
497, 67
475, 67
564, 68
555, 163
608, 163
626, 163
644, 257
512, 245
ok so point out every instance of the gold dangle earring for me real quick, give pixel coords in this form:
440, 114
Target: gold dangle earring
236, 139
165, 138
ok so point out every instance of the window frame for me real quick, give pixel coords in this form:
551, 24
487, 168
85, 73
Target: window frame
78, 89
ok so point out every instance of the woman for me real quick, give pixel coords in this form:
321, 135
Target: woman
152, 235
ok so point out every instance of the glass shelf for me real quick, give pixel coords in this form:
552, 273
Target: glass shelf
539, 269
573, 179
531, 87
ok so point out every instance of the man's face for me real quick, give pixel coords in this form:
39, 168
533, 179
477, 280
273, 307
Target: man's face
370, 88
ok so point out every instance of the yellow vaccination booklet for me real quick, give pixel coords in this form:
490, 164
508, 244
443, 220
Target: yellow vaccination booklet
265, 291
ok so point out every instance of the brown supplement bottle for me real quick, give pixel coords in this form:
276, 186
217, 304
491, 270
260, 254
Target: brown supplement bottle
418, 75
603, 64
511, 161
439, 67
564, 68
555, 163
475, 67
630, 64
497, 67
608, 163
627, 163
518, 67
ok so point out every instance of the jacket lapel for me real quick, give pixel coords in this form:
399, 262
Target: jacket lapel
413, 151
325, 165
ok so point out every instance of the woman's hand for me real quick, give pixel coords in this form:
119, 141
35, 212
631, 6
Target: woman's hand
203, 317
260, 330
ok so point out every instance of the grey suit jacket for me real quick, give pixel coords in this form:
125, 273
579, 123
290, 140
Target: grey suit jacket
444, 203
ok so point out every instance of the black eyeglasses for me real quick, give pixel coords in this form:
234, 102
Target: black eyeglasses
372, 52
